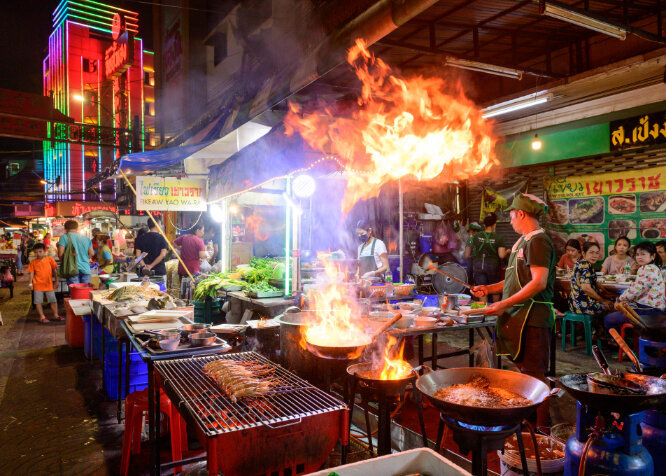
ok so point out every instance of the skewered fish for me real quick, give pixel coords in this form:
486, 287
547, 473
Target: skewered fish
241, 379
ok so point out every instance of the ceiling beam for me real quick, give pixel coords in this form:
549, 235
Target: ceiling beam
424, 50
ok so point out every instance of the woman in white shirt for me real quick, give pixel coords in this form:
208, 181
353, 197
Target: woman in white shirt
372, 254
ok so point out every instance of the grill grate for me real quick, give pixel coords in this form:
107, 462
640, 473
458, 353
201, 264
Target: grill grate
287, 403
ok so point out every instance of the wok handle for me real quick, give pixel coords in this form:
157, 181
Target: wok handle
459, 281
426, 369
555, 393
385, 326
625, 348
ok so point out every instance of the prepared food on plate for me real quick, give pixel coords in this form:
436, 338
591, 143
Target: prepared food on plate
618, 204
479, 393
586, 210
653, 201
558, 212
618, 228
477, 305
653, 228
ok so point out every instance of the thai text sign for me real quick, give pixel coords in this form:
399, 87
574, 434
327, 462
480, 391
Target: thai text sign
605, 207
649, 129
170, 194
634, 181
74, 209
119, 56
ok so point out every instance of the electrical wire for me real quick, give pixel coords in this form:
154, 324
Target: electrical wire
184, 229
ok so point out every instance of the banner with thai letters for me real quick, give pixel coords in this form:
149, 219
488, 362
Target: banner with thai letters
170, 194
606, 206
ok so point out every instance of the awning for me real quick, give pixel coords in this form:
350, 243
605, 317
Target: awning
273, 156
160, 159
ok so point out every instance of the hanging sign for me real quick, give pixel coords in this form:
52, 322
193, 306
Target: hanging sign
604, 207
641, 131
119, 56
170, 194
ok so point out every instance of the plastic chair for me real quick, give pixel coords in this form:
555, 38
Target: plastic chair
135, 404
634, 339
586, 319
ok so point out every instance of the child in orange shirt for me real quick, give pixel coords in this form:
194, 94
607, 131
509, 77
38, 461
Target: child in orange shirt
42, 271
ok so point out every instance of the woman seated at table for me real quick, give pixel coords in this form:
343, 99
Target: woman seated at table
585, 297
572, 255
646, 293
617, 262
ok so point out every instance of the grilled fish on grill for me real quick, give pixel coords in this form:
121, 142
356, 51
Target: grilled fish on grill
240, 379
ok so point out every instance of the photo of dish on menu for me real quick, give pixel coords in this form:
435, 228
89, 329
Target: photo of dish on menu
652, 202
618, 228
558, 212
594, 237
619, 204
653, 228
586, 210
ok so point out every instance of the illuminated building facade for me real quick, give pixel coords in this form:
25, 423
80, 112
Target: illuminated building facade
101, 77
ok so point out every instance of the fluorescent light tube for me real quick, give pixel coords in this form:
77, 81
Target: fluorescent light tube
516, 104
484, 67
579, 19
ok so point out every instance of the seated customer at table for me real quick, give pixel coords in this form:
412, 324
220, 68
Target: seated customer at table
617, 262
585, 297
646, 294
661, 251
572, 255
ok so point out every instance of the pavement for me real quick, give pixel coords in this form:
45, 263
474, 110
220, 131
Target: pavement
54, 418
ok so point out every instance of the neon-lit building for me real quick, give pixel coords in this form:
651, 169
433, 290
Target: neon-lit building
99, 74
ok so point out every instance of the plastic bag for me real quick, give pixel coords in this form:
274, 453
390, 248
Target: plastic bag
7, 276
484, 354
204, 267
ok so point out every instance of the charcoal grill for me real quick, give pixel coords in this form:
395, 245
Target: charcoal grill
294, 427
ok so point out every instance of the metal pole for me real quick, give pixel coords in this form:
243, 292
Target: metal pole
159, 228
401, 232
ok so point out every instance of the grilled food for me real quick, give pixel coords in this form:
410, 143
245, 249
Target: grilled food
131, 293
238, 380
478, 393
584, 210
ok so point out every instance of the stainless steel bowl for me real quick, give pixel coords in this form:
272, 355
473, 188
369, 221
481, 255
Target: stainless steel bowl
202, 338
187, 329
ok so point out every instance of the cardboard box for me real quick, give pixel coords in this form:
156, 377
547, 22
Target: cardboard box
241, 252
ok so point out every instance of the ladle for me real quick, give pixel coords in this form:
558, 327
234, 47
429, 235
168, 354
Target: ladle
426, 263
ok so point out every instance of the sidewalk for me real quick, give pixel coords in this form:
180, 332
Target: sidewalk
53, 416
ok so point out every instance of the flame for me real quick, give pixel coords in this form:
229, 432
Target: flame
253, 223
337, 323
404, 127
394, 368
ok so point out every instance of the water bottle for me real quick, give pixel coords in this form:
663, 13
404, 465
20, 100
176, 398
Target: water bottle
627, 270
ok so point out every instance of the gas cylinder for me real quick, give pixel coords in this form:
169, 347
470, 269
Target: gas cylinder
618, 450
654, 437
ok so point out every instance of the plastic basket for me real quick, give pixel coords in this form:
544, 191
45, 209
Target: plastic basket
138, 375
207, 312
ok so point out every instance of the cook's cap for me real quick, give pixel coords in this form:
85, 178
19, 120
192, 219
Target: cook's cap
528, 203
474, 226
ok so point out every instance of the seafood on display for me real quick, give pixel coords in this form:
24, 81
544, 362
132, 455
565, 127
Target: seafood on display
130, 293
241, 379
478, 393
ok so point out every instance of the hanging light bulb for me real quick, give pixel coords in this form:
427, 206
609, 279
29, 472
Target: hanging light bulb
536, 142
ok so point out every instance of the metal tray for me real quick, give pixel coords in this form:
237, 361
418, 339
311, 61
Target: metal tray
268, 294
187, 347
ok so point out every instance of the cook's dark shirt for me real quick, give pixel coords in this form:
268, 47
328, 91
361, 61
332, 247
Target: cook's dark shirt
539, 251
152, 243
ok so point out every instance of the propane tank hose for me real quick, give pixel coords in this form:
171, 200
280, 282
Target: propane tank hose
583, 458
537, 457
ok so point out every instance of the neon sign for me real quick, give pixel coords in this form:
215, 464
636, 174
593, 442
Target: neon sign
116, 26
119, 56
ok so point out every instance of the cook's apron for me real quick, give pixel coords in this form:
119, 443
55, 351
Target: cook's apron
510, 324
367, 263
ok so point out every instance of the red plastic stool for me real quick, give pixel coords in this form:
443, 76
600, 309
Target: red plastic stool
135, 404
634, 340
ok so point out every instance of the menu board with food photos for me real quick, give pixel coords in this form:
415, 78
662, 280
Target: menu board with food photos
603, 207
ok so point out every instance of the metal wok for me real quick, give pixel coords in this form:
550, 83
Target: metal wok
368, 372
348, 352
576, 385
522, 384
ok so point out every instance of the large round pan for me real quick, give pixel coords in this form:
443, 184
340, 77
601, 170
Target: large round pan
362, 370
576, 385
522, 384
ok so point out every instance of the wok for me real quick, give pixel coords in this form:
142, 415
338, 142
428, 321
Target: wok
348, 352
525, 385
576, 385
390, 386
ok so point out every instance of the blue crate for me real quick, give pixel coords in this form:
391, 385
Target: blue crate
86, 335
111, 344
429, 300
138, 375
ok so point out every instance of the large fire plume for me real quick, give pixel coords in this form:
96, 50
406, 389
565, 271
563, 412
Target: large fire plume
394, 367
338, 322
404, 127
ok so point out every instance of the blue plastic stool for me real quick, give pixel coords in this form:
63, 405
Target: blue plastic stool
586, 319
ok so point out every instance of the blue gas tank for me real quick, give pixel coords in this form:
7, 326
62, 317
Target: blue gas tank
619, 451
654, 438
